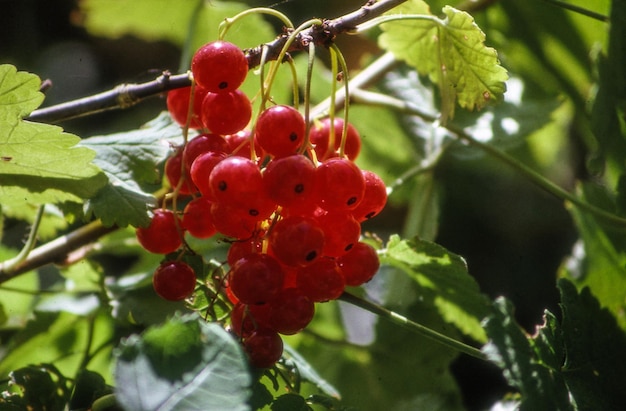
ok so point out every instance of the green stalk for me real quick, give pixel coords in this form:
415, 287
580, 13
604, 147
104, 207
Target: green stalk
523, 169
8, 266
412, 326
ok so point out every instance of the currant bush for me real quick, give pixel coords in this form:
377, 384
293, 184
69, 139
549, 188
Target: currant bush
291, 207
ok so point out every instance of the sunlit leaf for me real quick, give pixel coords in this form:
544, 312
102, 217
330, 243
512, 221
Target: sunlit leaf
130, 160
185, 364
444, 275
450, 51
19, 93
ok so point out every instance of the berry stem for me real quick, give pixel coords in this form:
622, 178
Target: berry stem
229, 22
411, 325
307, 96
346, 106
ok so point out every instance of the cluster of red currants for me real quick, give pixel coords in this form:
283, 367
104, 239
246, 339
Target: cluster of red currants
292, 206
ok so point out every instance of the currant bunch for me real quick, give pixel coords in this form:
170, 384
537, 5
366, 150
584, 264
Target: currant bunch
291, 206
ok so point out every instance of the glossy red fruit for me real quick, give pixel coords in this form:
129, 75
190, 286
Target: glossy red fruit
339, 185
174, 280
174, 172
226, 113
178, 105
280, 130
341, 231
197, 219
289, 181
320, 138
321, 281
374, 197
264, 347
201, 169
201, 144
296, 240
162, 235
239, 145
233, 222
240, 249
219, 66
234, 179
359, 265
241, 321
256, 278
290, 311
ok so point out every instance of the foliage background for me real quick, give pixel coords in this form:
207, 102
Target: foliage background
513, 235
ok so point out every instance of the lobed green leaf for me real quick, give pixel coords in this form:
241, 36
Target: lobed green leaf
130, 160
577, 364
207, 371
443, 274
19, 93
450, 51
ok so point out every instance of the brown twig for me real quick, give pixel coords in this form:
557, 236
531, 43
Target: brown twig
127, 95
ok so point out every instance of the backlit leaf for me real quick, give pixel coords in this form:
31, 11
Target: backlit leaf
443, 274
19, 93
451, 51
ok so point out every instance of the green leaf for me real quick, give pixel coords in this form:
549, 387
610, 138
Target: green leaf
450, 51
43, 158
19, 93
39, 390
130, 160
579, 364
542, 388
598, 260
89, 386
290, 402
444, 275
161, 20
186, 364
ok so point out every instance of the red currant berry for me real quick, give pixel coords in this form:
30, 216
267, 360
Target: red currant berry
322, 280
239, 144
339, 185
219, 66
289, 181
174, 172
240, 249
197, 218
256, 278
280, 130
162, 235
201, 144
233, 222
178, 105
174, 280
264, 348
238, 182
374, 198
341, 232
226, 113
290, 311
296, 240
359, 265
320, 138
241, 322
201, 169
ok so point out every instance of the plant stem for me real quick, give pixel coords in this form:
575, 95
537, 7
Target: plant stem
56, 250
579, 10
412, 326
11, 264
127, 95
526, 171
